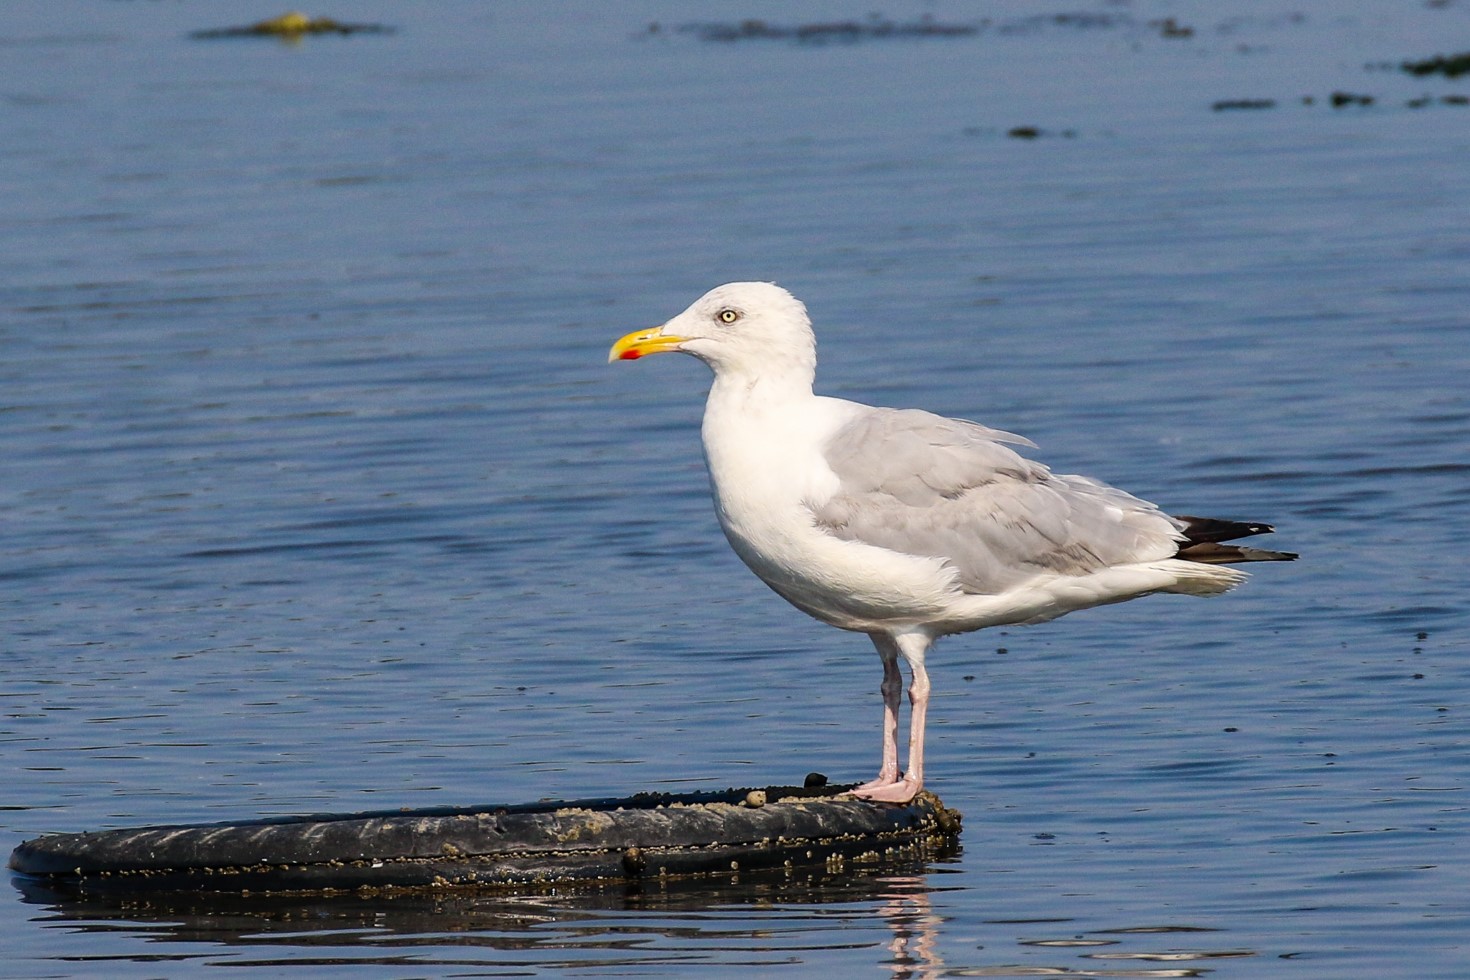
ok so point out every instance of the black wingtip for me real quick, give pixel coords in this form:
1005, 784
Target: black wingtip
1203, 537
1201, 529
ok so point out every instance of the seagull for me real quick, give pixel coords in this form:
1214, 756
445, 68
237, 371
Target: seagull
905, 525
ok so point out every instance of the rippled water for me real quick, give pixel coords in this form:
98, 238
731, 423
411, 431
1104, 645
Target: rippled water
318, 494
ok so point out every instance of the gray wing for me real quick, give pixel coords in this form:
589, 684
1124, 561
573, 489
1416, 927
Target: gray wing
922, 484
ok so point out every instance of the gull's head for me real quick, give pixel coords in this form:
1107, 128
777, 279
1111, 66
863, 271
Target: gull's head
756, 328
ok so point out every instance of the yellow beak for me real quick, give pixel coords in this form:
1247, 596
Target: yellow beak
640, 342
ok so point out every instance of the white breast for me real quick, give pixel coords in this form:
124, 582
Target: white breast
767, 471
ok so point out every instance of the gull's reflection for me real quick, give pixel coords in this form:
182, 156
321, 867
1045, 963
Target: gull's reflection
882, 913
910, 914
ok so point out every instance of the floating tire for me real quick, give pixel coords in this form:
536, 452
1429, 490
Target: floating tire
505, 848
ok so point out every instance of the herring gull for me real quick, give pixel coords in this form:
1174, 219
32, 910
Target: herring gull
904, 525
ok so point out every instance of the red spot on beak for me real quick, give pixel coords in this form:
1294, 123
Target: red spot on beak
630, 355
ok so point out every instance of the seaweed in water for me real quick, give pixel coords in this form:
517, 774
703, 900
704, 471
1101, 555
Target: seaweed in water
1036, 132
1169, 27
292, 26
1084, 20
1225, 105
1425, 100
1452, 66
1021, 133
874, 28
878, 27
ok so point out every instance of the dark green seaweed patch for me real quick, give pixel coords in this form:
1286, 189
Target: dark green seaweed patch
1225, 105
1452, 66
873, 28
878, 27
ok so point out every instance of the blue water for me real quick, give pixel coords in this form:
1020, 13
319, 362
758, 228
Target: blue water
318, 495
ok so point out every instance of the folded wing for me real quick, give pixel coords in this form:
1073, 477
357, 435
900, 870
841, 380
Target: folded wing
921, 484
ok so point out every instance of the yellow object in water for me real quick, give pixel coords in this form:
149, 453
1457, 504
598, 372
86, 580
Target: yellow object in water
293, 26
294, 22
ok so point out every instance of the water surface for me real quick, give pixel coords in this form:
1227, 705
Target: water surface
318, 495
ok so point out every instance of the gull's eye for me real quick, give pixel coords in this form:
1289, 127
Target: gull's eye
728, 316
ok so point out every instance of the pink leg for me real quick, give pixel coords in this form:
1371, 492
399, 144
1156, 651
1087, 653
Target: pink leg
913, 646
890, 688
